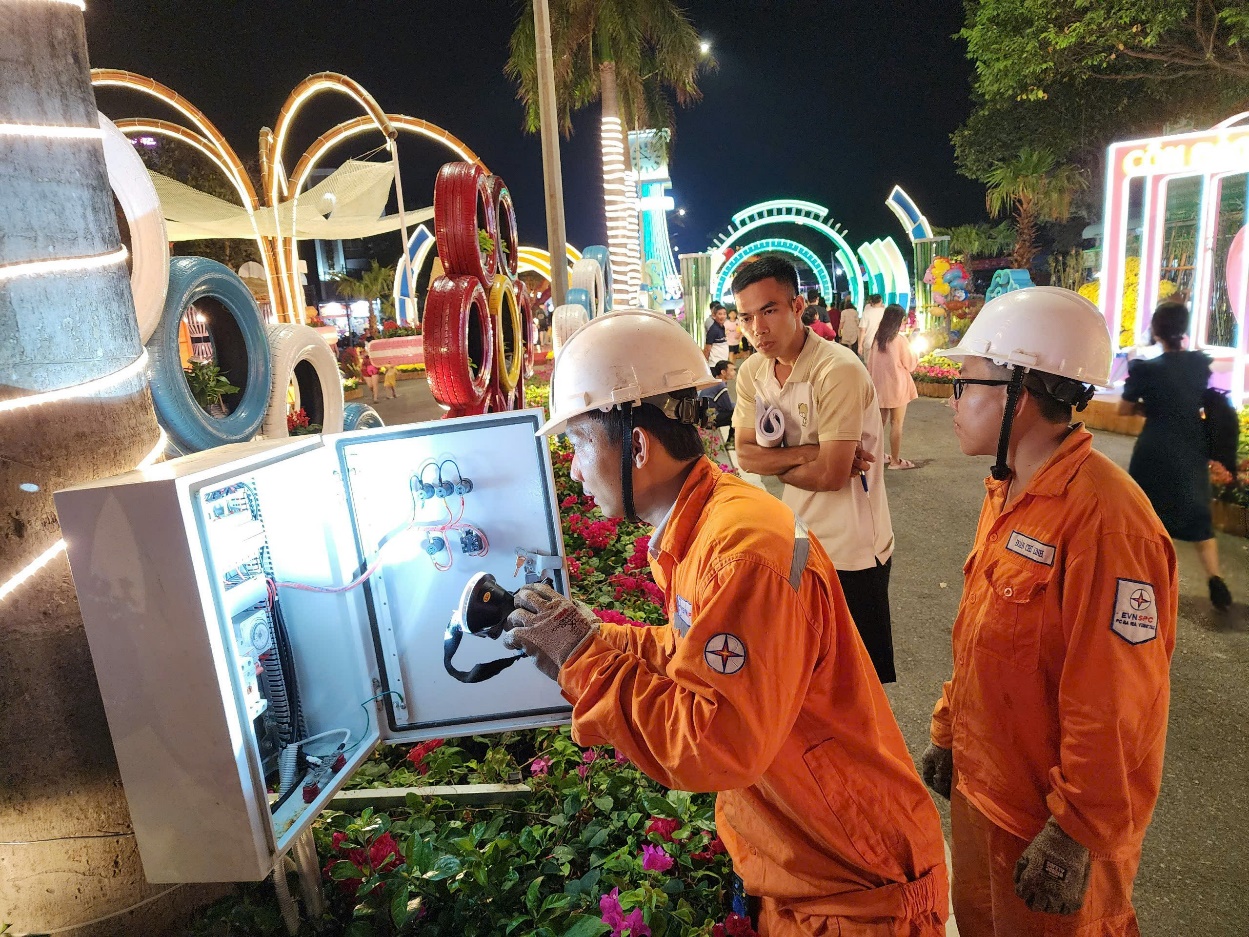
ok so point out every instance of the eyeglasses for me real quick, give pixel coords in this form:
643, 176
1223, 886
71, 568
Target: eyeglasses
960, 383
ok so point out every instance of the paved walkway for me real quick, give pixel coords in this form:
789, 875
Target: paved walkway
1193, 873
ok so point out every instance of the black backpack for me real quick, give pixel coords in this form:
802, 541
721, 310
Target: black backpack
1222, 428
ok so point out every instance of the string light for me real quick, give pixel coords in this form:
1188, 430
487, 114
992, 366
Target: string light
51, 131
38, 563
32, 268
88, 389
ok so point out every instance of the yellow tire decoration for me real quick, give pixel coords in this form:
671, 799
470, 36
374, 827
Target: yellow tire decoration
509, 354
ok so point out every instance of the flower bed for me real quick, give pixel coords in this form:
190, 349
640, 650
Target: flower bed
1230, 508
596, 849
934, 376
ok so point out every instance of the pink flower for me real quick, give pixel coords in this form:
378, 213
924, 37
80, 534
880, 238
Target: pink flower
612, 912
338, 839
655, 859
540, 766
583, 770
589, 756
621, 758
663, 827
635, 924
734, 926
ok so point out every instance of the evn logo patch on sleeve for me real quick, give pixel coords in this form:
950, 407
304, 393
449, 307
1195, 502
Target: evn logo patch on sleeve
1135, 616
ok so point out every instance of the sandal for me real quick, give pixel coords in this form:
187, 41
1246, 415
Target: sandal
900, 465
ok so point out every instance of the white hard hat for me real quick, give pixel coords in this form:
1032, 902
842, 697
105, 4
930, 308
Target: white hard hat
622, 357
1041, 328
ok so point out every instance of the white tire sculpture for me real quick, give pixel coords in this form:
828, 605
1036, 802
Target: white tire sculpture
566, 320
146, 240
303, 367
588, 275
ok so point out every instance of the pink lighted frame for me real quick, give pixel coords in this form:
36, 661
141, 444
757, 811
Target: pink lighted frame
1211, 155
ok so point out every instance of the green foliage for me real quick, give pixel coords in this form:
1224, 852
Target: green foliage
485, 243
652, 47
537, 867
375, 285
1074, 75
1034, 188
968, 241
208, 383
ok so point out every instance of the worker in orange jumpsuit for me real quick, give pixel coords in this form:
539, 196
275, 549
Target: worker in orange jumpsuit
1048, 738
760, 687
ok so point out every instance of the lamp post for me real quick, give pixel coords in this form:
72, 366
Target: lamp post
552, 175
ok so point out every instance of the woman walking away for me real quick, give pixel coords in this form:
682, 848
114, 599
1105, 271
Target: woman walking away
1170, 461
890, 363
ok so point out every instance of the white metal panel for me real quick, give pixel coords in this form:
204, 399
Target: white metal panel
513, 502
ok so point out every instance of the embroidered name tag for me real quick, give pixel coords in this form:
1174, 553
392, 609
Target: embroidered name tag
685, 612
1034, 550
1135, 618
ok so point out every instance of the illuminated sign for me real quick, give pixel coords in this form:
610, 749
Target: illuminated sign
1205, 153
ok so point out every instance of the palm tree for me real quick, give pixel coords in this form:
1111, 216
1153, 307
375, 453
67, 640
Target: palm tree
59, 330
629, 55
376, 285
969, 241
1034, 189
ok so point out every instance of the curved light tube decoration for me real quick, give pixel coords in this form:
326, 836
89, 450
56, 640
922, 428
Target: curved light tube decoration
781, 245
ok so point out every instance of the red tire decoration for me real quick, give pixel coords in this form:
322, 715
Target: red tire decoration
524, 300
476, 410
463, 205
459, 342
509, 334
507, 242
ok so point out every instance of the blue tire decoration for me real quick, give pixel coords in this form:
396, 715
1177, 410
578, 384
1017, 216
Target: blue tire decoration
603, 256
360, 416
228, 327
582, 298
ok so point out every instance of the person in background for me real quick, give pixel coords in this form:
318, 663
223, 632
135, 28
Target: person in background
824, 402
1048, 739
873, 312
890, 366
834, 318
758, 688
711, 312
733, 334
717, 345
721, 400
816, 302
391, 380
811, 319
371, 373
848, 328
1170, 458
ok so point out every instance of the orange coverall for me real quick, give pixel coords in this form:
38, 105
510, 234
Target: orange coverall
760, 688
1058, 702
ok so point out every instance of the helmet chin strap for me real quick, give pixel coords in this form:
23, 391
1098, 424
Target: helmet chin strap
1001, 471
626, 462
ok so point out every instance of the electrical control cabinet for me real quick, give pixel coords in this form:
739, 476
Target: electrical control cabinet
261, 616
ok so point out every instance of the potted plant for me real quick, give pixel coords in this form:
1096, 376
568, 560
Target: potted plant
297, 424
209, 385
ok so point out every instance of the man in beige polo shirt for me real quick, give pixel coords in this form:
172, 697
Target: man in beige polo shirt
804, 405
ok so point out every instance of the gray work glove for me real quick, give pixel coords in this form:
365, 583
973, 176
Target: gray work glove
548, 627
1052, 875
936, 766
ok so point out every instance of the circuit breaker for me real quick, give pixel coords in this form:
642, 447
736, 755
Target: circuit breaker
261, 616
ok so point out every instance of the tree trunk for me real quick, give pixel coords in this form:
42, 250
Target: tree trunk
619, 195
67, 853
1025, 237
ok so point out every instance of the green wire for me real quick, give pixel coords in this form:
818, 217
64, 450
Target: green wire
367, 721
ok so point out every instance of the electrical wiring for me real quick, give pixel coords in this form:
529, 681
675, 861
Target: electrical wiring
367, 721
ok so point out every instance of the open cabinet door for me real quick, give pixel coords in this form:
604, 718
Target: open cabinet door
451, 499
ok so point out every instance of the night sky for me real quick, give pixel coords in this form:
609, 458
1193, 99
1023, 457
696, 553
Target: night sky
831, 101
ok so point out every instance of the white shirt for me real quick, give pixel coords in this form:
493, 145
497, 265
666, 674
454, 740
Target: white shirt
871, 322
828, 397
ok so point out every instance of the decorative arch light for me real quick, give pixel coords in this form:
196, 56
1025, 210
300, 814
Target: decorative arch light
773, 245
536, 260
806, 214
